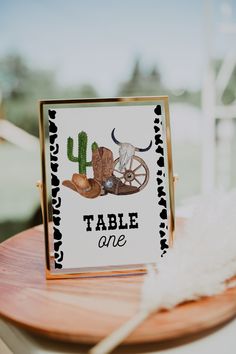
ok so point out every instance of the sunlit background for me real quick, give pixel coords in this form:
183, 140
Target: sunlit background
75, 48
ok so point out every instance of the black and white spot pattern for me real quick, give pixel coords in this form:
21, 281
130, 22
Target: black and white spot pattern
55, 182
160, 179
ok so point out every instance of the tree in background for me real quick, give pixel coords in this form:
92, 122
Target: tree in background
22, 87
141, 83
145, 83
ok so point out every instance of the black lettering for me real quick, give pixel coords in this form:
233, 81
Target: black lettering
121, 225
112, 239
120, 239
102, 242
100, 223
88, 218
112, 222
133, 217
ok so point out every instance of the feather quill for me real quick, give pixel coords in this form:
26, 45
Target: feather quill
202, 260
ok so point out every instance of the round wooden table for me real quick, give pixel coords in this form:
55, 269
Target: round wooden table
86, 310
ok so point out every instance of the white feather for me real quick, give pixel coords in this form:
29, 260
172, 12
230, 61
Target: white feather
202, 259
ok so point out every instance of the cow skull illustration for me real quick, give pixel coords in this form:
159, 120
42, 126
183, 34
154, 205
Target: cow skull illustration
127, 151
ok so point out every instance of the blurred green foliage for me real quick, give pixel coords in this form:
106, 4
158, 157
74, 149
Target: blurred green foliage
149, 83
22, 87
20, 169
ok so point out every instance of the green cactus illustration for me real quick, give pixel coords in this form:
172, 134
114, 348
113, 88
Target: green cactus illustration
94, 146
81, 158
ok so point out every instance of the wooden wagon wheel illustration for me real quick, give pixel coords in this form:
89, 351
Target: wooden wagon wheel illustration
137, 174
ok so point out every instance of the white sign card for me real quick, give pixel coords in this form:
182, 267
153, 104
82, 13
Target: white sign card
108, 183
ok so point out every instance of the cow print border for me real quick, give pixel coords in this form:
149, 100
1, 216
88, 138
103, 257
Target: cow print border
55, 183
160, 179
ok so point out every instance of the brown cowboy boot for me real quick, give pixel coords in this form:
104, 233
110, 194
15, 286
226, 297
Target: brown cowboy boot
114, 185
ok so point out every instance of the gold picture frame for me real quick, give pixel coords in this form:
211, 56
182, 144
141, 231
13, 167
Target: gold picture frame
103, 271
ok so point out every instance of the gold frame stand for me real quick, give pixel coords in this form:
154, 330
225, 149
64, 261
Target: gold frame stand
42, 185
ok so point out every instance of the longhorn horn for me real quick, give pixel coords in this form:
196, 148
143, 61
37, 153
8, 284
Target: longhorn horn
145, 149
114, 138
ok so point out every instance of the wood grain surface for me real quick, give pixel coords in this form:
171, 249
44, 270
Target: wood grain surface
86, 310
